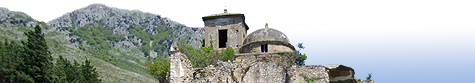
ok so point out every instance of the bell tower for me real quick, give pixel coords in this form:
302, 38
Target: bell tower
225, 30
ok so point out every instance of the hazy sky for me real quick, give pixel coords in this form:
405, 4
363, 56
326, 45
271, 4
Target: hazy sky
409, 41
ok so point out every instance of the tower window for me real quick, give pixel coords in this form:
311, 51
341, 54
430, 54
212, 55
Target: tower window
223, 38
264, 48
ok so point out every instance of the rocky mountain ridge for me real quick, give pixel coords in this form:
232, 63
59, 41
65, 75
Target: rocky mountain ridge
13, 24
121, 19
14, 17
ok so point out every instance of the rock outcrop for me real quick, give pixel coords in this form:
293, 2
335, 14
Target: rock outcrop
15, 19
14, 23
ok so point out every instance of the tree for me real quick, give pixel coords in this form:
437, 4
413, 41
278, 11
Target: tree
65, 71
10, 63
369, 77
61, 70
37, 58
160, 69
228, 54
300, 57
32, 62
89, 73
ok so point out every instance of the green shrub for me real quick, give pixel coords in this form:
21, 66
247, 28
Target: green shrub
160, 69
205, 56
369, 77
300, 58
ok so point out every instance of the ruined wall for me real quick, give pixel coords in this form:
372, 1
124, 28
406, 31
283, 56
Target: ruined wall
270, 67
261, 68
236, 31
341, 74
315, 73
180, 67
260, 72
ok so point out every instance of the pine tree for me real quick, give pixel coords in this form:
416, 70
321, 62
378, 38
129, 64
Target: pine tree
60, 70
76, 74
89, 73
10, 62
38, 60
32, 62
72, 70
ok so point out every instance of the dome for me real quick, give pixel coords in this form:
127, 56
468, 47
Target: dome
266, 34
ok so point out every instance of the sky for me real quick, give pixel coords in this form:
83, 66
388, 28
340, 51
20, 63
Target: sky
398, 41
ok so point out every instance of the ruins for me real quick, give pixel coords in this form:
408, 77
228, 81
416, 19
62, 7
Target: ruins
263, 56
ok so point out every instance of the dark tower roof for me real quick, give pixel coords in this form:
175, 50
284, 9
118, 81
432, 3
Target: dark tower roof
223, 15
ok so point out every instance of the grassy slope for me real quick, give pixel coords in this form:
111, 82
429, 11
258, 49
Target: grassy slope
109, 72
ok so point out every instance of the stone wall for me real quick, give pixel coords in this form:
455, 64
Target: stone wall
315, 73
276, 67
260, 72
180, 66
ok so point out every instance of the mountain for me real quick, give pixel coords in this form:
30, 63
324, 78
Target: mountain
117, 41
13, 24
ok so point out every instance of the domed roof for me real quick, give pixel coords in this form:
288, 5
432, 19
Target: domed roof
266, 34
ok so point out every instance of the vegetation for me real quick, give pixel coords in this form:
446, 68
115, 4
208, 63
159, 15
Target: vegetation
11, 62
369, 77
100, 39
65, 71
300, 57
97, 36
309, 80
160, 69
161, 36
205, 56
95, 39
32, 62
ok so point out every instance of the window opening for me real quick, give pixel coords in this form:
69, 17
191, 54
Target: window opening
264, 48
223, 38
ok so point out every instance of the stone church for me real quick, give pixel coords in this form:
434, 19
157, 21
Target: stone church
263, 56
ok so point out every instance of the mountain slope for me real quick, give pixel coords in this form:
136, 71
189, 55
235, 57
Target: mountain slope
122, 37
13, 24
117, 41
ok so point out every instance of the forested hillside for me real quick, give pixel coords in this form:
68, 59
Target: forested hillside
31, 61
117, 41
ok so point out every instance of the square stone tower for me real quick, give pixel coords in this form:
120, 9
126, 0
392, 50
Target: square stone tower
225, 30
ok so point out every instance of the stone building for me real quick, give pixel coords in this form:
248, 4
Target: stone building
264, 56
225, 30
267, 44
